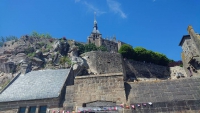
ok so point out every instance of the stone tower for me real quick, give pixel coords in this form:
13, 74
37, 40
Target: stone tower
95, 36
191, 52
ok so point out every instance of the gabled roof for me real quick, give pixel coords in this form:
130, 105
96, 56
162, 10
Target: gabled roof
183, 38
36, 85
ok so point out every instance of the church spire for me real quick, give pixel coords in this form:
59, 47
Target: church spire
95, 28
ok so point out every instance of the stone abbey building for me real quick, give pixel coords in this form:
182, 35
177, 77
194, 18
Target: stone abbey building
191, 52
96, 38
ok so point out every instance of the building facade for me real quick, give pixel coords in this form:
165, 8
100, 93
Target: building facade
190, 45
36, 91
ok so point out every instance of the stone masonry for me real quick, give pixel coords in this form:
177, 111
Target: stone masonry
166, 96
145, 71
105, 87
104, 62
190, 45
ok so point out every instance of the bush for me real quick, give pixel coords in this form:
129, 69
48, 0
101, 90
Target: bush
35, 34
102, 48
88, 47
126, 51
142, 54
65, 59
31, 54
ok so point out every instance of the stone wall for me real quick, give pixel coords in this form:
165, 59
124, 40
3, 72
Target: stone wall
9, 111
104, 62
111, 45
69, 98
106, 87
142, 70
177, 72
194, 38
166, 96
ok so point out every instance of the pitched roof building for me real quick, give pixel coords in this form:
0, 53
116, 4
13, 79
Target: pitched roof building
44, 88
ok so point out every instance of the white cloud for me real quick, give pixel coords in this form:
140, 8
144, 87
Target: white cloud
115, 7
92, 8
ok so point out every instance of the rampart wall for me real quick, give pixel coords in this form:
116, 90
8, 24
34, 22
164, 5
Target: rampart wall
181, 95
104, 62
141, 70
99, 88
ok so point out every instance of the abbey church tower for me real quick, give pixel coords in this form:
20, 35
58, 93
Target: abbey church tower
96, 38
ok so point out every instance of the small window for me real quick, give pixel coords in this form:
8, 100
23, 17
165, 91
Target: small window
22, 109
32, 109
84, 105
43, 109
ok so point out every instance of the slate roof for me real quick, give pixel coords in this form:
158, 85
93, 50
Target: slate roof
36, 85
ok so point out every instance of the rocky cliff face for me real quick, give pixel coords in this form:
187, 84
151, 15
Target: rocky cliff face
33, 53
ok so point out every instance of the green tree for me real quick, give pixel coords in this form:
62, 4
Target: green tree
141, 54
126, 51
102, 48
90, 47
81, 48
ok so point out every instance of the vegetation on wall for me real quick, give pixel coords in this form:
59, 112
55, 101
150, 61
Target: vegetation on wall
89, 47
144, 55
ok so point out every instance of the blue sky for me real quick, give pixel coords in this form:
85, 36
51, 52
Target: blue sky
156, 25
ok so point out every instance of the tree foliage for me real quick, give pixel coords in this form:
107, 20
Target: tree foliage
126, 51
89, 47
102, 48
144, 55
